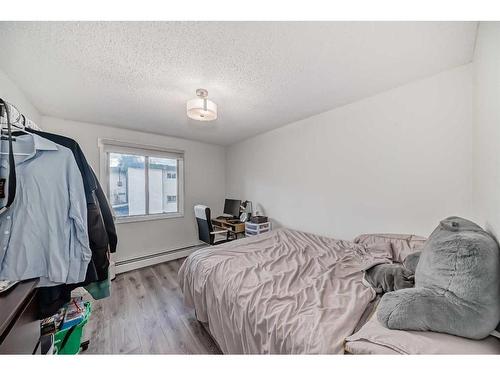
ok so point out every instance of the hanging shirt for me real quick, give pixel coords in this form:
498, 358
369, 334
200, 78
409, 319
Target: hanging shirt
44, 233
93, 191
101, 231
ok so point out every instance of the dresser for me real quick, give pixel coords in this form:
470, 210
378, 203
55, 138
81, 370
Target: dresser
253, 229
19, 326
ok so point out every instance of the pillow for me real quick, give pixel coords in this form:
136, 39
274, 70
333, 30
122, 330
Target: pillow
373, 338
400, 245
366, 347
457, 284
389, 277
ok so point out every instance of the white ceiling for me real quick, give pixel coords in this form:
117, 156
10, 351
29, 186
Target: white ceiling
262, 75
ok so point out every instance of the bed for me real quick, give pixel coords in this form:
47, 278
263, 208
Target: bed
373, 338
289, 292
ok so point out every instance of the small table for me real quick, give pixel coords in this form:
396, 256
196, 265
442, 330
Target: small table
233, 225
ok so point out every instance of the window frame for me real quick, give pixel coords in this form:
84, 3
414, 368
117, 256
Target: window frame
107, 146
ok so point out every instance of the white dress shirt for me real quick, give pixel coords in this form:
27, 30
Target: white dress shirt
44, 233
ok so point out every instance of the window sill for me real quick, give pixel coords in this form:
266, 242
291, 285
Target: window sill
139, 218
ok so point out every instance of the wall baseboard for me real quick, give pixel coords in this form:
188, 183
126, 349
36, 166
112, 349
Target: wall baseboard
133, 264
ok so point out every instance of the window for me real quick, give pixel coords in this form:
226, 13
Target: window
143, 182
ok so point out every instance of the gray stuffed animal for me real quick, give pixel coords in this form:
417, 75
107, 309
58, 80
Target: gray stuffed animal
457, 285
389, 277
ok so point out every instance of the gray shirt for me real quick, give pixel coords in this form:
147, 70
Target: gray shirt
44, 233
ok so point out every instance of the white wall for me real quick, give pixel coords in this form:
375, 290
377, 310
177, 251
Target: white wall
204, 183
487, 176
396, 162
12, 94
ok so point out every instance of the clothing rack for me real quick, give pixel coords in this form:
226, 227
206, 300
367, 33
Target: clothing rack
16, 118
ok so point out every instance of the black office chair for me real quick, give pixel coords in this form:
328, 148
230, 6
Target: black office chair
206, 232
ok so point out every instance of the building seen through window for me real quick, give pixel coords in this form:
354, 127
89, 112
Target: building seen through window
142, 185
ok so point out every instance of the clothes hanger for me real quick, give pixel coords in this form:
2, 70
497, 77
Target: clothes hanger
20, 129
12, 181
12, 136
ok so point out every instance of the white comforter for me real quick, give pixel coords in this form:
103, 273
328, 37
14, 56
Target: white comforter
280, 292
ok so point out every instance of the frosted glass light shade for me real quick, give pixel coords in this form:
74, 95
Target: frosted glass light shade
201, 109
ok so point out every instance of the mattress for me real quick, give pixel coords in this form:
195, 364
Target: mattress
283, 292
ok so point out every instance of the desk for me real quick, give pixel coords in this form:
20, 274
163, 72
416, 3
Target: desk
233, 225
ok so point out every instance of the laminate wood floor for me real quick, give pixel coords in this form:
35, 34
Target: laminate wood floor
146, 314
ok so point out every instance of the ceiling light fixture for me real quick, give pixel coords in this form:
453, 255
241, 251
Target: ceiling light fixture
201, 108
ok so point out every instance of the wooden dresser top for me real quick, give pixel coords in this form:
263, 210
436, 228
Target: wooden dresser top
12, 302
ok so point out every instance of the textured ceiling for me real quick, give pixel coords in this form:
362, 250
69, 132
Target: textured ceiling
262, 75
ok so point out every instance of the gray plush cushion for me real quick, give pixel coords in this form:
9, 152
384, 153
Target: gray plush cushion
411, 261
457, 285
388, 277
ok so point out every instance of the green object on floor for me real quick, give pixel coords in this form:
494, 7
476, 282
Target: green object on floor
99, 289
67, 341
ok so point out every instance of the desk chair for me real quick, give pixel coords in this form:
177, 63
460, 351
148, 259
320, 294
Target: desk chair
206, 232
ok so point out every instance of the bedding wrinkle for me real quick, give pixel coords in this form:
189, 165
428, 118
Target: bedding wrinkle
280, 292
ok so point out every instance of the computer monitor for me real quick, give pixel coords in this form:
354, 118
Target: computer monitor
232, 207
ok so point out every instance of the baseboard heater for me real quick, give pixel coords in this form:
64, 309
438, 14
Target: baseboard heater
148, 260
